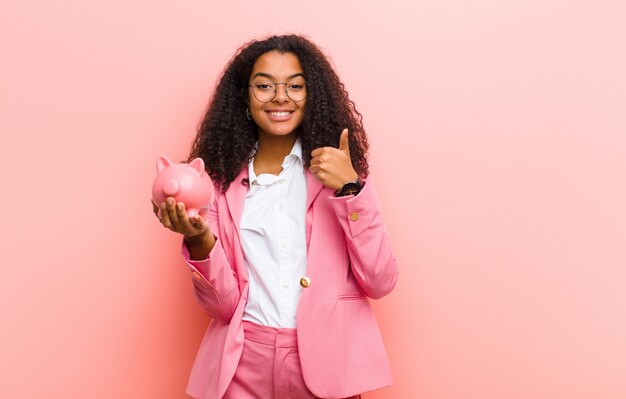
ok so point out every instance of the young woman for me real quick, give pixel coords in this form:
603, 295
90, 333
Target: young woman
294, 243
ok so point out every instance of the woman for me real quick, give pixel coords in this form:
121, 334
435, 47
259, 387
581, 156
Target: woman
295, 242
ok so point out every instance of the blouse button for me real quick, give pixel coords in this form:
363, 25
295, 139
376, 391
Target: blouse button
305, 282
354, 217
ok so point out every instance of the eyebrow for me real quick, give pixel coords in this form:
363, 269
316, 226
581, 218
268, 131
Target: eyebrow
267, 75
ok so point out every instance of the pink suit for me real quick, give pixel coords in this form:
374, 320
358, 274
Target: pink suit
349, 258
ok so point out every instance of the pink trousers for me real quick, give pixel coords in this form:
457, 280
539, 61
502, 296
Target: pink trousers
269, 366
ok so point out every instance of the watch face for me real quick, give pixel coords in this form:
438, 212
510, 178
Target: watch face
350, 188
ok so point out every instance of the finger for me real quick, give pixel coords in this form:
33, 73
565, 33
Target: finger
183, 218
314, 169
171, 210
344, 144
319, 174
155, 207
165, 218
317, 160
319, 151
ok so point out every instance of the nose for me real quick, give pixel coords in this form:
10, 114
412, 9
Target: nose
281, 93
171, 188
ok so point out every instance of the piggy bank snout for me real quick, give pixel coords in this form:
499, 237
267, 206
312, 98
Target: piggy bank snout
171, 188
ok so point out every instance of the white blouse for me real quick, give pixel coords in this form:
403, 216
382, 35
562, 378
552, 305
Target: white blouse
273, 239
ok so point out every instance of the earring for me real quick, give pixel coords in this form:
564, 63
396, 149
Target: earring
248, 114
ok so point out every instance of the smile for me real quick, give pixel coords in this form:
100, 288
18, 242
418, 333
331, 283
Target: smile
279, 115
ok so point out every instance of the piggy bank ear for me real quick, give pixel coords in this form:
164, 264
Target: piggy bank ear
162, 162
197, 164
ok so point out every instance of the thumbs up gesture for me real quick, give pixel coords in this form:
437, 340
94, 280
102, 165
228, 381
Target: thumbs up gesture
333, 166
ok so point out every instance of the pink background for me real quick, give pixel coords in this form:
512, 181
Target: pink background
498, 135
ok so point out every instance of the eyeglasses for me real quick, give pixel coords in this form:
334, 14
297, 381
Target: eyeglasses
265, 90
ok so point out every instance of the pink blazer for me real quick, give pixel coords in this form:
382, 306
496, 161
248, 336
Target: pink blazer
349, 258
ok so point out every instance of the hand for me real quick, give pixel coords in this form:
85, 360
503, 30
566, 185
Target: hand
174, 217
333, 166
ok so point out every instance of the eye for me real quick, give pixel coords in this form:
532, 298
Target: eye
264, 86
297, 85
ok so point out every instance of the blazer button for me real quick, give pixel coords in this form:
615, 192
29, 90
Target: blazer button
197, 275
354, 217
305, 282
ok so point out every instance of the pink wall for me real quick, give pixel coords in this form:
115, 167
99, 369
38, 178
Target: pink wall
498, 134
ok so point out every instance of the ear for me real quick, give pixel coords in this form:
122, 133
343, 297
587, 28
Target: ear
162, 163
198, 165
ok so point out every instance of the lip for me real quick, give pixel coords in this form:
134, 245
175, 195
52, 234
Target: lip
279, 118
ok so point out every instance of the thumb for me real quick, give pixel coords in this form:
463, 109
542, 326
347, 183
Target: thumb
199, 222
343, 142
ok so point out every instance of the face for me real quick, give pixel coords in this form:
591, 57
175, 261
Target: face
281, 115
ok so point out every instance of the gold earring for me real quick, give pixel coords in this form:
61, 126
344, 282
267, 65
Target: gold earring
248, 114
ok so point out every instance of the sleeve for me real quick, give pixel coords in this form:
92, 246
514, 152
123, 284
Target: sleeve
215, 283
371, 257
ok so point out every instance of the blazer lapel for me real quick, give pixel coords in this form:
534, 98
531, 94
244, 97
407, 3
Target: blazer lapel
235, 197
313, 188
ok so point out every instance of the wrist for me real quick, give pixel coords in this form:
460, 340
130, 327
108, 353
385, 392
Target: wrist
202, 238
342, 181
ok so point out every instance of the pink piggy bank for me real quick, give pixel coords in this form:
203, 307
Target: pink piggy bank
187, 183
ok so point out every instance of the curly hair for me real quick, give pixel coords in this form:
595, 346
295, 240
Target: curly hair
225, 137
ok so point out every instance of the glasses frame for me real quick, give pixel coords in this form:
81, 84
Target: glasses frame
286, 91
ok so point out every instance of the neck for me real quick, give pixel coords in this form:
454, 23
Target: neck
275, 148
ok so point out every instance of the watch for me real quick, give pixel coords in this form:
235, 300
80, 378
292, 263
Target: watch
350, 188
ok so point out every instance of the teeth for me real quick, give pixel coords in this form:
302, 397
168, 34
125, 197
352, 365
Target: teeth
280, 113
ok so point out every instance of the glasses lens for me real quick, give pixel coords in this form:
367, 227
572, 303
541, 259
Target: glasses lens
296, 89
263, 90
